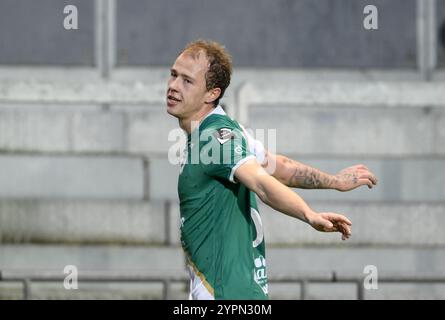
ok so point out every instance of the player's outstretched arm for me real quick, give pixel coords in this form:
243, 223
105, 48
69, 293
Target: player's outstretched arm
281, 198
298, 175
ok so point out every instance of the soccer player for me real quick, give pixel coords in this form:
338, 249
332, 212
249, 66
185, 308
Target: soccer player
222, 170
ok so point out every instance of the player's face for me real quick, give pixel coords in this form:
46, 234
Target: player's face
186, 91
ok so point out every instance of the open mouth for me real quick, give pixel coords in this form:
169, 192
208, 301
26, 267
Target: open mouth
172, 100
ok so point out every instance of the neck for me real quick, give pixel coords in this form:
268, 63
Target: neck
186, 123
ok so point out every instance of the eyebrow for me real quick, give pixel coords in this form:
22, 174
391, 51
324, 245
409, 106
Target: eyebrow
182, 74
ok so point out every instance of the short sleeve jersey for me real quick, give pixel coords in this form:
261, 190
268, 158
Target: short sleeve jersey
221, 228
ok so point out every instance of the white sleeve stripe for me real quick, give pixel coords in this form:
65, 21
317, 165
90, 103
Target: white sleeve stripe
238, 164
249, 140
255, 146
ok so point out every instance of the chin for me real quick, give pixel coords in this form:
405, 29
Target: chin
172, 112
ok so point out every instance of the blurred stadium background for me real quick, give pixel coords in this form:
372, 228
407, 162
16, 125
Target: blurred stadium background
84, 176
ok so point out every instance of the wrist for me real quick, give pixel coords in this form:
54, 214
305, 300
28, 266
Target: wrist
309, 215
335, 183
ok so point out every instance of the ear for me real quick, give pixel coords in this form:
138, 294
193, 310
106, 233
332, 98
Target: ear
212, 95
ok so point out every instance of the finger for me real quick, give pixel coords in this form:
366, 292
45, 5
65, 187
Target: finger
344, 223
326, 228
339, 219
368, 175
336, 218
345, 229
326, 225
330, 226
372, 176
362, 166
368, 182
344, 236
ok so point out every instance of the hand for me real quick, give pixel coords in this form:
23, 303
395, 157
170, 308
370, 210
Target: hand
331, 222
353, 177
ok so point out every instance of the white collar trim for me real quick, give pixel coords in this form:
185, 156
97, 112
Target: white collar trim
218, 110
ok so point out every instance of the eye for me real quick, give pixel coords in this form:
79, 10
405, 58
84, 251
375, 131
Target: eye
188, 81
173, 74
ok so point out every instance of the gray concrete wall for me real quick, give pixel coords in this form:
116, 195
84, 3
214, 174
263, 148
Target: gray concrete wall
374, 224
336, 129
259, 33
60, 128
84, 176
154, 222
270, 34
441, 38
35, 176
32, 32
307, 261
85, 164
400, 179
88, 222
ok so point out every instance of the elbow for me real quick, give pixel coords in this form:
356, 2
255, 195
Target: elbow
283, 170
261, 192
262, 196
284, 180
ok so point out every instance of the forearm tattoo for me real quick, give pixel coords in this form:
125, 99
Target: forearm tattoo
309, 178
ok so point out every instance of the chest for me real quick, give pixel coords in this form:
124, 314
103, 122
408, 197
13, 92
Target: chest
192, 181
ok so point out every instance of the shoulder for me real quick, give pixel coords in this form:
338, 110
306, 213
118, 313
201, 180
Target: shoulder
222, 128
220, 121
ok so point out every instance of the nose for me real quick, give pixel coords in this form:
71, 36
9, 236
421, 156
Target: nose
173, 84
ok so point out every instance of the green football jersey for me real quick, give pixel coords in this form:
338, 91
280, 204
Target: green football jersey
221, 229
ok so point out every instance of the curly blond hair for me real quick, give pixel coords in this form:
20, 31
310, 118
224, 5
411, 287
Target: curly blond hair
220, 64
